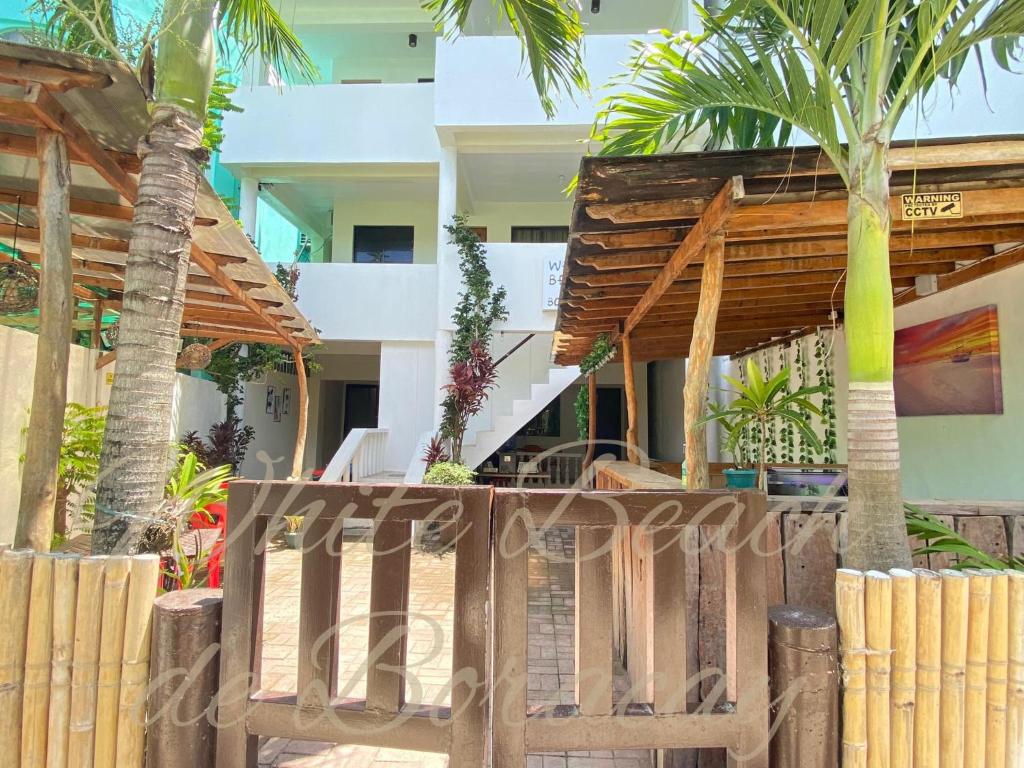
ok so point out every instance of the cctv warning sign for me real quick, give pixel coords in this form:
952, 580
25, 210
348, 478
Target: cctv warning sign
935, 205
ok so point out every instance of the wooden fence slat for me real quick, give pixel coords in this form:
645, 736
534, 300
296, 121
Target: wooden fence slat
774, 552
389, 605
980, 594
108, 680
131, 706
85, 671
1015, 671
850, 615
470, 636
668, 658
65, 597
904, 667
878, 636
594, 672
38, 649
15, 590
955, 599
510, 636
318, 628
986, 532
937, 561
929, 660
995, 690
810, 560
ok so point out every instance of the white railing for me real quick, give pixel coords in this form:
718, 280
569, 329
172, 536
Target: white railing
361, 455
417, 466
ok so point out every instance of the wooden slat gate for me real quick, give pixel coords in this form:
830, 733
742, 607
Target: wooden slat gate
656, 717
313, 711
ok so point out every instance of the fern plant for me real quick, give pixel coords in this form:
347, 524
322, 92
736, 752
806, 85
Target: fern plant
939, 538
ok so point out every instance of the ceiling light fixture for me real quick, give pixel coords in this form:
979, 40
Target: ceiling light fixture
595, 6
412, 41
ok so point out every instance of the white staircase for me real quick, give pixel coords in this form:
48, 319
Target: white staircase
527, 382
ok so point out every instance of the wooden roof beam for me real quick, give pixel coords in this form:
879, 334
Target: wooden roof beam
25, 146
1011, 257
53, 76
83, 207
710, 224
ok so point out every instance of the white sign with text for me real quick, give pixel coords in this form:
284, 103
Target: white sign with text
552, 283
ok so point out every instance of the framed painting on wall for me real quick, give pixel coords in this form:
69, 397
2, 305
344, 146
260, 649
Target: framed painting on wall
270, 401
949, 366
286, 400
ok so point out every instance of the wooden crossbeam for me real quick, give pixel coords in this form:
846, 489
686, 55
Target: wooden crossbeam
83, 207
996, 263
24, 146
709, 224
53, 76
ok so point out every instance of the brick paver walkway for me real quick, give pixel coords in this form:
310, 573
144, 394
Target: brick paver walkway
550, 667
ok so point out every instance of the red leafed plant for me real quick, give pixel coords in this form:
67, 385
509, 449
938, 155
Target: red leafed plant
436, 451
471, 380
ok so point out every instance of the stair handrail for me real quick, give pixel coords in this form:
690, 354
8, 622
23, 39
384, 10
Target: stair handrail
360, 455
509, 354
417, 466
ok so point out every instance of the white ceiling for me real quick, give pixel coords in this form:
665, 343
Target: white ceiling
518, 177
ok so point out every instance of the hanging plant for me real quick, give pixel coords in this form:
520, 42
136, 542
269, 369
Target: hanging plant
826, 378
769, 426
19, 287
600, 354
803, 366
788, 436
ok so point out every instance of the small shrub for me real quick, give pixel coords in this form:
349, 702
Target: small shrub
449, 473
435, 452
293, 523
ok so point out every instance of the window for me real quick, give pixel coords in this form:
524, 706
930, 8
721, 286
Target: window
540, 234
382, 245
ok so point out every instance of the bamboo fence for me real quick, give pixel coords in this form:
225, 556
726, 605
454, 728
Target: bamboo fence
933, 668
74, 659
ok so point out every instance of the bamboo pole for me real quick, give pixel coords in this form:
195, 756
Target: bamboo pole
39, 639
995, 691
53, 345
88, 612
65, 595
630, 383
955, 599
929, 655
131, 716
878, 637
300, 434
980, 594
904, 667
108, 680
1015, 671
15, 589
850, 615
698, 362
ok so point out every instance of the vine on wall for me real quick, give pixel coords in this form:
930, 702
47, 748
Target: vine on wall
826, 376
788, 436
601, 352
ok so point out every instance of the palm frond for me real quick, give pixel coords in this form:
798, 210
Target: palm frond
258, 30
551, 35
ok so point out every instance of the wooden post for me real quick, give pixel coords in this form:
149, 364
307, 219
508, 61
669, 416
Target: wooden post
50, 383
995, 691
65, 596
131, 708
929, 654
631, 428
300, 432
588, 459
954, 662
1015, 671
850, 613
698, 364
977, 669
97, 323
38, 644
89, 610
878, 636
15, 589
804, 687
904, 663
186, 631
108, 690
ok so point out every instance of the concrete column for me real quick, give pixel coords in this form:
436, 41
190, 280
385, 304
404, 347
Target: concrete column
447, 269
247, 199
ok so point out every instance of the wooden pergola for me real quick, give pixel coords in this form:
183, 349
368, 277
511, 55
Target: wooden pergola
725, 253
98, 111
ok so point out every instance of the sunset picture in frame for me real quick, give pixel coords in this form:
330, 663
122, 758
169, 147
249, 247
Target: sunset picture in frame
950, 366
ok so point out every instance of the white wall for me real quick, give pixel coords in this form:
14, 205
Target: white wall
270, 453
358, 368
198, 404
407, 398
667, 378
420, 214
389, 123
499, 218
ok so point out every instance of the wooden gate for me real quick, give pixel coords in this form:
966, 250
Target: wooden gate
595, 721
658, 716
313, 711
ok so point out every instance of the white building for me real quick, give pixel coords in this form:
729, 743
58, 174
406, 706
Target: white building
405, 129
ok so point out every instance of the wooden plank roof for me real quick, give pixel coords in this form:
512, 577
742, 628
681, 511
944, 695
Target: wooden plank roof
231, 293
785, 240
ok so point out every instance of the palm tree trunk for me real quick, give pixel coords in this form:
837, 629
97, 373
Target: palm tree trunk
877, 532
137, 441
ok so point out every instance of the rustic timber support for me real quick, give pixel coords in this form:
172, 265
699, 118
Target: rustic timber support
632, 454
698, 365
588, 458
49, 387
300, 432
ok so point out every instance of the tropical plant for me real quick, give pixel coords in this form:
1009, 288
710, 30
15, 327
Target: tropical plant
762, 401
79, 462
551, 35
226, 444
449, 473
293, 523
601, 352
480, 304
939, 538
840, 71
435, 451
466, 393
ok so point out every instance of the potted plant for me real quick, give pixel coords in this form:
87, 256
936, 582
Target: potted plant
758, 403
293, 531
742, 474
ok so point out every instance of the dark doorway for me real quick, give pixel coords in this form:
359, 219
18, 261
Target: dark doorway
360, 406
609, 421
